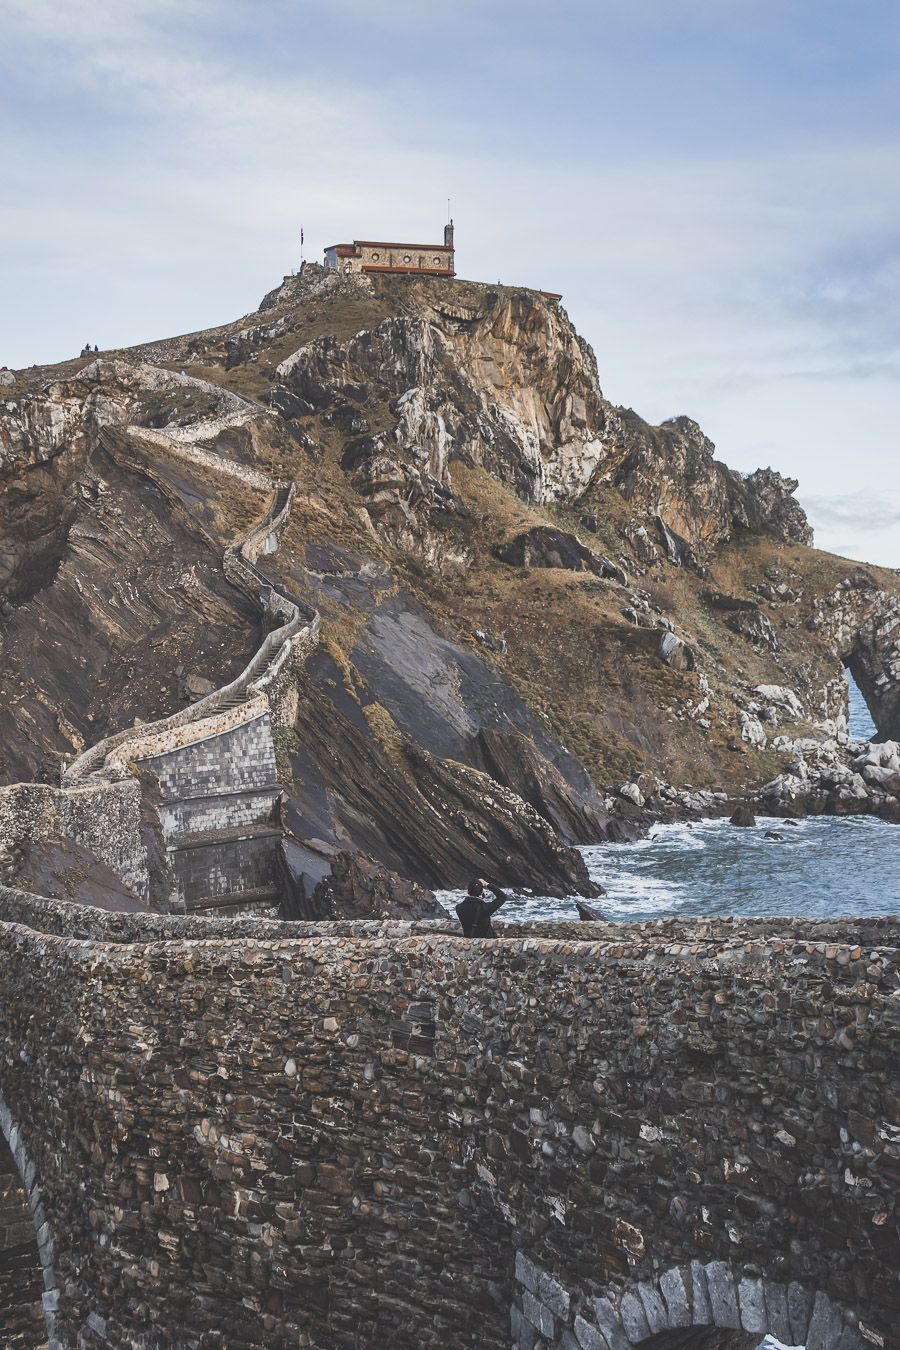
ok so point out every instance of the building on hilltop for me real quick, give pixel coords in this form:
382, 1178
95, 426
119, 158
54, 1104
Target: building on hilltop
367, 255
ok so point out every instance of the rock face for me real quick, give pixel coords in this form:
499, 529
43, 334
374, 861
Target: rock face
356, 888
669, 474
495, 378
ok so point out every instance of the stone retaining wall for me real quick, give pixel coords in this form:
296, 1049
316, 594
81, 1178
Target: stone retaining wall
350, 1141
237, 862
225, 810
21, 1287
104, 817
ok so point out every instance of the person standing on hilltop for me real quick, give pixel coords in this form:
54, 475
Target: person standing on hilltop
475, 911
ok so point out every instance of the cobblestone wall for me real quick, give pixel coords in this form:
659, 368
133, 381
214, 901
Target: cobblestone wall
21, 1311
355, 1139
104, 817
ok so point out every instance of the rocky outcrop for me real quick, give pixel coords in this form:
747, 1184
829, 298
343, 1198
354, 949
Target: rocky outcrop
441, 434
764, 503
825, 777
861, 621
500, 379
429, 817
544, 546
670, 475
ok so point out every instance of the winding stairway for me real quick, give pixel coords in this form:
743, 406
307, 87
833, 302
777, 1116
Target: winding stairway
214, 762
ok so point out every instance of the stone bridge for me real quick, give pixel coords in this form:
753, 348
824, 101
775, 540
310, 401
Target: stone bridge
249, 1133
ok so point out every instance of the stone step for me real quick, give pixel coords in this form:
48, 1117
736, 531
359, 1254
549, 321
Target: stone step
261, 897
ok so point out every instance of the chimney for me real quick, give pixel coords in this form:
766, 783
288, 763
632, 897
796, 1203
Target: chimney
448, 235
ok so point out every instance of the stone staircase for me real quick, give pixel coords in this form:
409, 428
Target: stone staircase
215, 761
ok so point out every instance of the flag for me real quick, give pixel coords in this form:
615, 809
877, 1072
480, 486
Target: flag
301, 234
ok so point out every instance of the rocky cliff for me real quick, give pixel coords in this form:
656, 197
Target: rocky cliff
540, 615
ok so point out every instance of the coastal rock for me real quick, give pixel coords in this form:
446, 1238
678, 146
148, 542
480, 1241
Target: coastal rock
765, 504
743, 816
454, 710
862, 622
357, 888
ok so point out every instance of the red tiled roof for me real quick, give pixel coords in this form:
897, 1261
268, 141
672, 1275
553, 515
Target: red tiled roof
379, 243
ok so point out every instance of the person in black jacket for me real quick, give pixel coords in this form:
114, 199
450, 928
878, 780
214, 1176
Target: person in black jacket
475, 911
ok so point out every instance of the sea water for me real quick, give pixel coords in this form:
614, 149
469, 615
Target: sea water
823, 867
859, 722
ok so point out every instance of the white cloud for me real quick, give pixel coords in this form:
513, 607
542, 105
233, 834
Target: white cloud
756, 291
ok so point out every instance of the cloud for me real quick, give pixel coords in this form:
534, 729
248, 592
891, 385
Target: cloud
729, 253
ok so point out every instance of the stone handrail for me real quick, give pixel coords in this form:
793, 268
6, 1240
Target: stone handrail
297, 623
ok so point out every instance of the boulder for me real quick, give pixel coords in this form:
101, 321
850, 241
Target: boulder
752, 731
743, 816
886, 779
197, 686
779, 696
675, 653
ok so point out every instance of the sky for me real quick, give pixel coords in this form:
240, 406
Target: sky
714, 187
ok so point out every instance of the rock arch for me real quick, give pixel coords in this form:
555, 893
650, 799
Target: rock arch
861, 623
34, 1195
695, 1306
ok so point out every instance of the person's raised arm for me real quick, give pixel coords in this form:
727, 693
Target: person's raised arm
500, 898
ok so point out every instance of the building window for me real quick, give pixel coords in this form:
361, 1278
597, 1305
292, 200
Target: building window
375, 257
406, 258
348, 267
436, 261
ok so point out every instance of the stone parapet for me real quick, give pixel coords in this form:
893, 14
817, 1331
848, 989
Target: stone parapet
310, 1134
